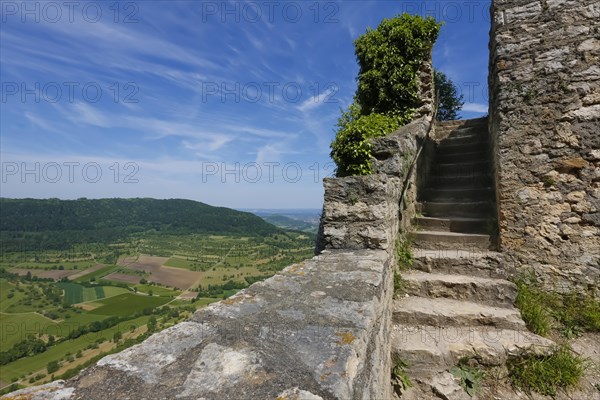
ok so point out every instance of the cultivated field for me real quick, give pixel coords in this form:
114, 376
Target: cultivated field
85, 272
120, 277
38, 362
95, 274
74, 293
157, 290
55, 274
127, 304
168, 276
14, 324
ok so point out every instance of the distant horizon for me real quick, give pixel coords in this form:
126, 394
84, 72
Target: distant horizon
244, 209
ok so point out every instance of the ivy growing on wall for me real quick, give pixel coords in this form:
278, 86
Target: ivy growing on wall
389, 58
351, 148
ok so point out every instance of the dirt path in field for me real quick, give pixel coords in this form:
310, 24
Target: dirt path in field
187, 296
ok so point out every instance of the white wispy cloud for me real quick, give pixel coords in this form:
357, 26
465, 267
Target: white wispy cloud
269, 153
316, 101
40, 122
83, 113
475, 107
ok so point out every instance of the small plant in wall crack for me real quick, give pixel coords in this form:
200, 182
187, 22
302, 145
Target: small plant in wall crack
400, 379
404, 254
352, 198
549, 182
399, 284
470, 377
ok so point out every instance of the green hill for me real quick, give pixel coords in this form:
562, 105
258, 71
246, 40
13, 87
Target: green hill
58, 224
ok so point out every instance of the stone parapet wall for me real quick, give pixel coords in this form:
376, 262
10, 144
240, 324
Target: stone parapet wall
369, 212
360, 212
319, 330
545, 127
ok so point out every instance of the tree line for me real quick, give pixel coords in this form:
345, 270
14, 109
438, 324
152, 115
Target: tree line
37, 224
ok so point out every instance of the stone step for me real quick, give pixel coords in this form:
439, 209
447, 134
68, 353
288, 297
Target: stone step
461, 135
458, 224
451, 148
456, 138
451, 240
461, 122
462, 131
450, 124
472, 262
465, 168
474, 156
471, 209
414, 310
494, 292
428, 349
441, 194
456, 181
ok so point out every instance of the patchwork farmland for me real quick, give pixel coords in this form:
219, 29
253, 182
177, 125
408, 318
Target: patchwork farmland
72, 307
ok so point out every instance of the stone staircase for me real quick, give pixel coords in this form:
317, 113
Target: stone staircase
457, 204
456, 301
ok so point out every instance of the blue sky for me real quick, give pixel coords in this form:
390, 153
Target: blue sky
229, 103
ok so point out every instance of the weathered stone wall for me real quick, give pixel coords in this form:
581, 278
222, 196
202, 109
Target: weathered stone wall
369, 212
360, 212
545, 125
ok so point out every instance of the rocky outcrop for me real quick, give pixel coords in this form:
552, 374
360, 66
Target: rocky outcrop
545, 127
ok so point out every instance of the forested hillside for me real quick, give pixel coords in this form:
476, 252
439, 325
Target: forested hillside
28, 224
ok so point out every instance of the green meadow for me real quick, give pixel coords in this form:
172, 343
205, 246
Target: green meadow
75, 293
127, 304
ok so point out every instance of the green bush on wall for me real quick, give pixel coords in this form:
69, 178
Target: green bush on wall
351, 149
390, 58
